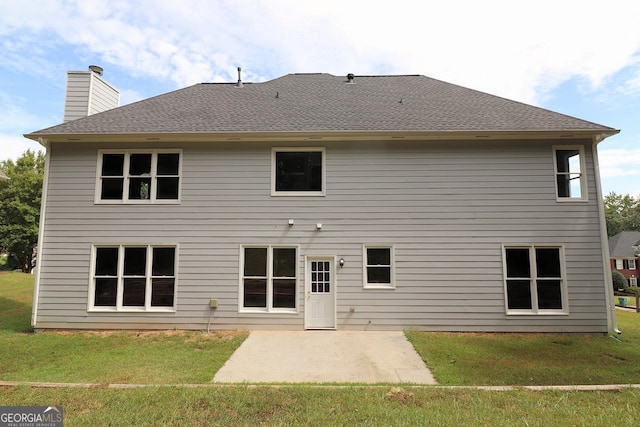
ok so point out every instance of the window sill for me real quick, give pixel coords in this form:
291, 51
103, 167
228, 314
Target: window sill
378, 287
131, 310
570, 200
137, 202
539, 313
297, 194
265, 311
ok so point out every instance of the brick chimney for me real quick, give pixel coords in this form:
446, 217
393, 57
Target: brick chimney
88, 93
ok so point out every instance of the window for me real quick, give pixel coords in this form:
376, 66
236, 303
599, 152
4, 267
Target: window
297, 172
534, 281
133, 278
378, 267
633, 281
268, 278
138, 177
569, 167
625, 264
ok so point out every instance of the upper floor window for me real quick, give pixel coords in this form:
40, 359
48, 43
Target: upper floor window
134, 278
569, 169
625, 264
298, 172
138, 177
534, 280
378, 267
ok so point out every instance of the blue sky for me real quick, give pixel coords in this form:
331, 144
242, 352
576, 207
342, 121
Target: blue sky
580, 58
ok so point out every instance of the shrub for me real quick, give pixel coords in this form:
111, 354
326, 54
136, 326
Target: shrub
632, 290
619, 282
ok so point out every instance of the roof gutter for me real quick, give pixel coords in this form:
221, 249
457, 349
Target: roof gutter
328, 135
612, 322
43, 211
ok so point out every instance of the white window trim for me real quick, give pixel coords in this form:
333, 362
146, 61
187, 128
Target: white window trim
633, 281
125, 193
535, 311
619, 264
119, 308
632, 264
269, 306
583, 174
322, 193
367, 285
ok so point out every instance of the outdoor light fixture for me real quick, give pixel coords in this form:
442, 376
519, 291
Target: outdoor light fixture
341, 262
319, 226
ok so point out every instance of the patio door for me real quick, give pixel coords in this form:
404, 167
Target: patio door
320, 306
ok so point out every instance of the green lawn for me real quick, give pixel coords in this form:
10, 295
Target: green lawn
533, 359
194, 357
102, 357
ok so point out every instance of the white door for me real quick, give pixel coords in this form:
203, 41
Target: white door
320, 307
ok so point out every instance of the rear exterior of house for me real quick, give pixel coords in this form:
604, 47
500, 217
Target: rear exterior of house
315, 202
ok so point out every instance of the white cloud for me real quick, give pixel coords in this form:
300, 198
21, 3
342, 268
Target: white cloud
619, 163
12, 147
514, 49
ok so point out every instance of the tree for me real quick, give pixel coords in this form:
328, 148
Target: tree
622, 213
20, 198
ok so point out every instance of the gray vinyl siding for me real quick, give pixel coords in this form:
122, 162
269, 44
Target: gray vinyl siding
447, 207
88, 94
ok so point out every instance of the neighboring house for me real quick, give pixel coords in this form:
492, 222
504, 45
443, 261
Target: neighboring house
624, 250
322, 202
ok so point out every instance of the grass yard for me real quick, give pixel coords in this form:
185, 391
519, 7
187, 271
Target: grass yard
102, 357
533, 359
353, 406
194, 357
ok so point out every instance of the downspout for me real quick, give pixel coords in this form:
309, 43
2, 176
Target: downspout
612, 323
43, 211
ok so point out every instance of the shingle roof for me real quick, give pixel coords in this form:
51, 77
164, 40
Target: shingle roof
324, 103
621, 245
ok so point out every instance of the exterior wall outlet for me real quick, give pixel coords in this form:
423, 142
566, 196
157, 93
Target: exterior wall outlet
352, 309
213, 303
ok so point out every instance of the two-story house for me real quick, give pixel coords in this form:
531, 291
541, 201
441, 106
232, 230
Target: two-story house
624, 249
315, 201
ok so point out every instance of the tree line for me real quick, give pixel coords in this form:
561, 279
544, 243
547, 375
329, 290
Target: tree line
622, 213
20, 198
